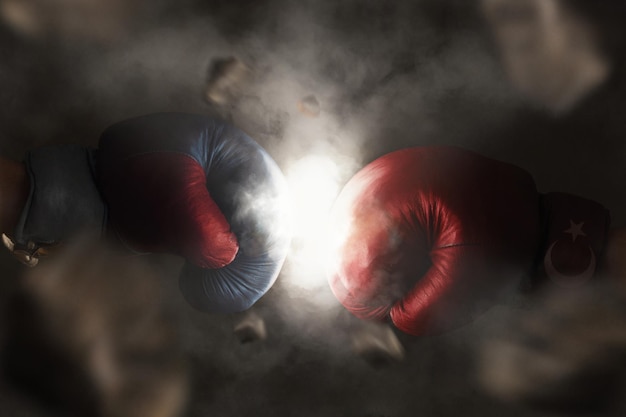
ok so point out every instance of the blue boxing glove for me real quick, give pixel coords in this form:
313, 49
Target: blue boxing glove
167, 179
171, 183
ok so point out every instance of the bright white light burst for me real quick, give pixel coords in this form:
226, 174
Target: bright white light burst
313, 186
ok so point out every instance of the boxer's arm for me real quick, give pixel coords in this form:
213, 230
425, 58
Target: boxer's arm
14, 188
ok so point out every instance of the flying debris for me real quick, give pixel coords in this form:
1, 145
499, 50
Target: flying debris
94, 20
565, 353
250, 328
89, 334
551, 53
228, 78
309, 106
377, 344
230, 90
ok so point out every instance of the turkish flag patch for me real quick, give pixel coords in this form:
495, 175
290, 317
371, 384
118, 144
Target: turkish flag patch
576, 230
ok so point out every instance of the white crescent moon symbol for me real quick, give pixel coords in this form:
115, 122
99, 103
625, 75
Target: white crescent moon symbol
568, 280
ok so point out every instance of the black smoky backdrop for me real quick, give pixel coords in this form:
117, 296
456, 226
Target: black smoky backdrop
376, 76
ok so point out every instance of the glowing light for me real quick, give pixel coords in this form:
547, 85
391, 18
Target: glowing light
313, 185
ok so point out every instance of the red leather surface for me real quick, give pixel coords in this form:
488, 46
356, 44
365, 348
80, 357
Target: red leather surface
432, 236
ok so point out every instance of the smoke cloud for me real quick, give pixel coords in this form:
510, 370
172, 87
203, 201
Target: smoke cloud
384, 75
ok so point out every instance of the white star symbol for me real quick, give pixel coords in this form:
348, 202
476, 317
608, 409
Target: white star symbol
575, 229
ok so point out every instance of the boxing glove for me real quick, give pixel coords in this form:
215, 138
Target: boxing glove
174, 183
432, 237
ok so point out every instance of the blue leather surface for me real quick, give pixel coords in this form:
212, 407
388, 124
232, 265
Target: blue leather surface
245, 183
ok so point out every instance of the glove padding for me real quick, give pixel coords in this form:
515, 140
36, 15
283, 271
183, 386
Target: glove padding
432, 237
191, 185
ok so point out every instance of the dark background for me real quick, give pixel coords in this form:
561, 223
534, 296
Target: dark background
387, 74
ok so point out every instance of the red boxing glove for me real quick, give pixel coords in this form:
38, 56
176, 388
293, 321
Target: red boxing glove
432, 237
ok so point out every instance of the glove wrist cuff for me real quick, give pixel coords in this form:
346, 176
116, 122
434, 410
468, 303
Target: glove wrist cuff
63, 198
